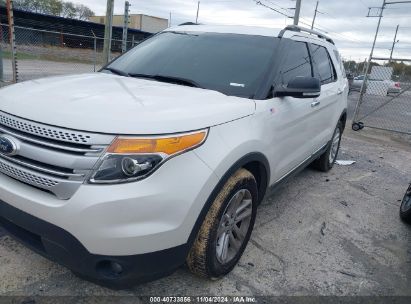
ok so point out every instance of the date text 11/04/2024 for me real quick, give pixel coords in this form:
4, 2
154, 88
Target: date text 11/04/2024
203, 299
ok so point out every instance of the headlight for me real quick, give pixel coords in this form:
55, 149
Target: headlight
133, 158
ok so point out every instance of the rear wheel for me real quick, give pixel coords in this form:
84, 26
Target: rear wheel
405, 209
326, 161
227, 227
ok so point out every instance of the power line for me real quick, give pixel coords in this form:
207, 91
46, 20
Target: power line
271, 8
306, 22
362, 2
280, 7
327, 30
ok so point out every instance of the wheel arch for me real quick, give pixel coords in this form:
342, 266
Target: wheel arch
257, 164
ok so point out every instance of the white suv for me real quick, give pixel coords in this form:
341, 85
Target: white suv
162, 158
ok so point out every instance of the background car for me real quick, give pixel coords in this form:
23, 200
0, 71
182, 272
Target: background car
393, 87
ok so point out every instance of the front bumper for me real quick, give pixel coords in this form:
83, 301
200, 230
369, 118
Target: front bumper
143, 226
150, 215
62, 247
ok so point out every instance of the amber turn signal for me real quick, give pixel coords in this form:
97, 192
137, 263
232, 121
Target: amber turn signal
168, 145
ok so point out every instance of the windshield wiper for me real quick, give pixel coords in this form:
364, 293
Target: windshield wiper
116, 71
168, 79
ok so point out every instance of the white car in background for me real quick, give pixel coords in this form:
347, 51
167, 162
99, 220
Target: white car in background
393, 87
162, 158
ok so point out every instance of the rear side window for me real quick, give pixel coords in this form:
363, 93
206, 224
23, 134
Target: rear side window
297, 62
324, 64
337, 55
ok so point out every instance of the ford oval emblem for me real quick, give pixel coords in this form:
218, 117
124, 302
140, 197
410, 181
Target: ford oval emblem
8, 146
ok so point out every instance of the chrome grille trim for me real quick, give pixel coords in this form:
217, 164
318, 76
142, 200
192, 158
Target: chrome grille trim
26, 177
63, 189
44, 170
51, 145
50, 158
53, 133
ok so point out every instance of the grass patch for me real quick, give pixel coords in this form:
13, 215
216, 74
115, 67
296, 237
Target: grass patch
28, 56
7, 55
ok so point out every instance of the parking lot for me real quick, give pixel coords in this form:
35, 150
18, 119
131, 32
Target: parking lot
334, 233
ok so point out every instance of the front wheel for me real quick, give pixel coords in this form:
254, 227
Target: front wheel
227, 227
326, 161
405, 209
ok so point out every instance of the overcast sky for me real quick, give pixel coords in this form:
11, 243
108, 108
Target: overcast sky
343, 20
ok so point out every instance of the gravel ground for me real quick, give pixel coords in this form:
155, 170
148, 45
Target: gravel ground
335, 233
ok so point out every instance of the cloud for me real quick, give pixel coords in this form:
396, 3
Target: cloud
344, 21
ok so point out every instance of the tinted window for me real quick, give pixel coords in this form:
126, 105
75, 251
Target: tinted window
297, 62
324, 65
229, 63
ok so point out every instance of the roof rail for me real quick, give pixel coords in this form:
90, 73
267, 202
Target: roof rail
188, 23
296, 28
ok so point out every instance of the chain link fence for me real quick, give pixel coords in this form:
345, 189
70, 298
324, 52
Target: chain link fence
42, 53
384, 96
6, 70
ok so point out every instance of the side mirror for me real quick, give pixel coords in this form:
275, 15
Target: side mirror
300, 87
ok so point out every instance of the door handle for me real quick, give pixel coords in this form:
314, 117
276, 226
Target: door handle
315, 103
340, 92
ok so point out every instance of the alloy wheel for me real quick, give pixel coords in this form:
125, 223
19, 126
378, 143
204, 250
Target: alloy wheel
234, 226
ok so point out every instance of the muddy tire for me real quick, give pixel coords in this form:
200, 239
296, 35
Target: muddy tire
326, 161
226, 229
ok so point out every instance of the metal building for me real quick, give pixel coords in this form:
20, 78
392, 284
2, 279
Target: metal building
140, 22
28, 20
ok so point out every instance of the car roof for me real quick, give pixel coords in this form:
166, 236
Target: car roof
245, 30
227, 29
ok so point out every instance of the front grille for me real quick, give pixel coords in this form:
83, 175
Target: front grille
26, 177
48, 132
50, 158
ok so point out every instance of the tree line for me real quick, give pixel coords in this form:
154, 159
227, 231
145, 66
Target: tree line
400, 69
60, 8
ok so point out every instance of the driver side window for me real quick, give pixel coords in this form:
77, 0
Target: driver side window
297, 62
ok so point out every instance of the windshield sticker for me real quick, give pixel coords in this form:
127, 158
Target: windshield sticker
241, 85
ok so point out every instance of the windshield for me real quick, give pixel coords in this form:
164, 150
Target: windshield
229, 63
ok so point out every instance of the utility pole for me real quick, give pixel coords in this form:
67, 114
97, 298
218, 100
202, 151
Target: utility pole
297, 12
198, 11
364, 66
12, 39
169, 22
108, 32
315, 15
367, 66
125, 26
376, 32
394, 42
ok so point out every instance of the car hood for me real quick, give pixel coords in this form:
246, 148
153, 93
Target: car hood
106, 103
